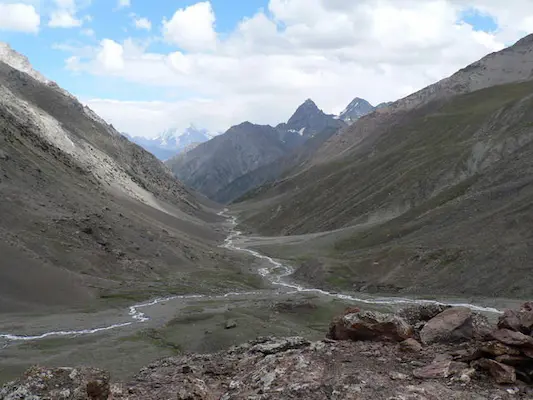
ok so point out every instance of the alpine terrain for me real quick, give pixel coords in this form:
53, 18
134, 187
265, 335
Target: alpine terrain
214, 168
384, 253
428, 194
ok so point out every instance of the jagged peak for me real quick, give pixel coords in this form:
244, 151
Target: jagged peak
19, 62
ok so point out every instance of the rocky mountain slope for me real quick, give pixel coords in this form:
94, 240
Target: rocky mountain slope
172, 141
86, 214
213, 167
214, 164
430, 193
356, 109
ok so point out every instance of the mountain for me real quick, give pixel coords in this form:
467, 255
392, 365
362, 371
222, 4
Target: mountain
384, 104
172, 141
429, 194
87, 217
307, 121
356, 109
211, 167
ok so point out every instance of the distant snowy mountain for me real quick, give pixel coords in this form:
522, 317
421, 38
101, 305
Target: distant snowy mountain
173, 141
356, 109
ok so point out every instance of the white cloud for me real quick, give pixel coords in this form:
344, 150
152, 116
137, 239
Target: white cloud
329, 50
64, 16
63, 19
192, 28
110, 57
142, 23
123, 3
19, 17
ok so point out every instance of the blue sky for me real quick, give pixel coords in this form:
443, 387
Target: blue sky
218, 70
108, 20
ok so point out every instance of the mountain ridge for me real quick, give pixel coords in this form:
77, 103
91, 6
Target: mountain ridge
198, 167
100, 217
418, 188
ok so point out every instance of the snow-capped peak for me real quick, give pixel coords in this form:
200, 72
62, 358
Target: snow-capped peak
20, 62
356, 109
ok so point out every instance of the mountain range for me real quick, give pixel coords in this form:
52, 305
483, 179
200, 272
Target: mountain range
428, 193
173, 141
248, 155
107, 258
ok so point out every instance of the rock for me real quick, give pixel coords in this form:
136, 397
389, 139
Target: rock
439, 369
510, 320
502, 374
193, 389
230, 324
513, 360
59, 383
372, 326
496, 349
466, 375
518, 321
3, 155
411, 346
482, 327
528, 352
452, 325
398, 376
512, 338
421, 312
268, 346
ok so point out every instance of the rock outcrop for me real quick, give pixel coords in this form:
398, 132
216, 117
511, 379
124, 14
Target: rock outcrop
452, 325
368, 325
59, 383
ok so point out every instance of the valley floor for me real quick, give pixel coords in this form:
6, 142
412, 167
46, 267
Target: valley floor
190, 323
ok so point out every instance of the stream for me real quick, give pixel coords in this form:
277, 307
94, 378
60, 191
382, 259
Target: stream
276, 273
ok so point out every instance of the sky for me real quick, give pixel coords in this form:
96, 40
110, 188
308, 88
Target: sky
147, 66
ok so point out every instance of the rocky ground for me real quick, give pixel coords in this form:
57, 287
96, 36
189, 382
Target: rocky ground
419, 353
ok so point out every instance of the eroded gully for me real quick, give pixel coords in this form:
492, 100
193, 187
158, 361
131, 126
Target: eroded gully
275, 272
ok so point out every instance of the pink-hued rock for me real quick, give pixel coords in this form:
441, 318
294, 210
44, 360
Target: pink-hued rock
452, 325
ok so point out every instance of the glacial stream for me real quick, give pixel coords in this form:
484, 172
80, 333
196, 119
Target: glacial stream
276, 273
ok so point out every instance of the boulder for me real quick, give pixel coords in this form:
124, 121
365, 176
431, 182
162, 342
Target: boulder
513, 360
440, 369
371, 326
482, 327
59, 383
452, 325
512, 338
410, 346
230, 324
497, 349
510, 320
502, 374
421, 312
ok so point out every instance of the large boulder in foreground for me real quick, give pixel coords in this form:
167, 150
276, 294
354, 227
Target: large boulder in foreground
371, 326
59, 383
452, 325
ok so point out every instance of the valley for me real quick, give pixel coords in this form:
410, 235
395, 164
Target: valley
396, 234
136, 334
